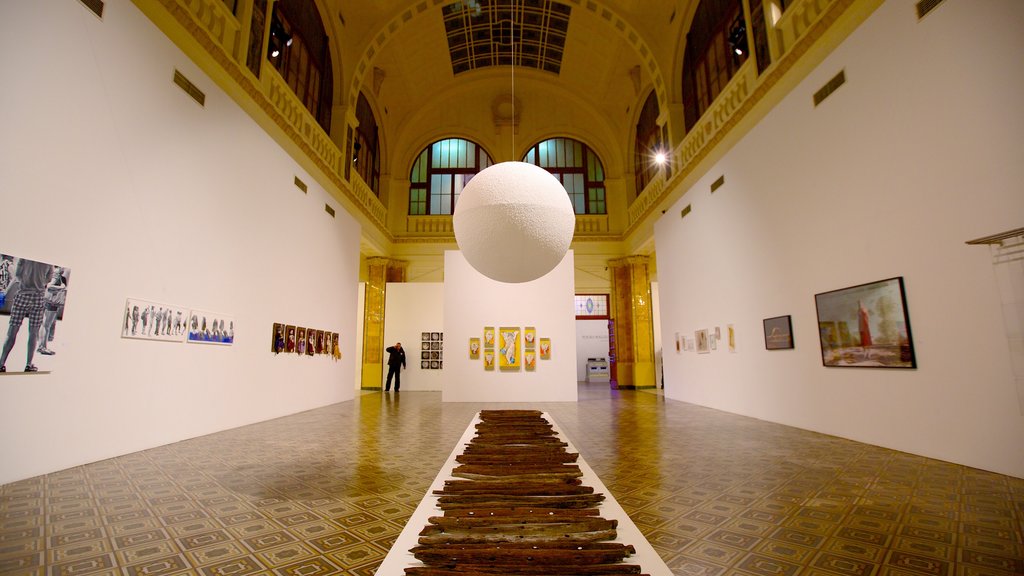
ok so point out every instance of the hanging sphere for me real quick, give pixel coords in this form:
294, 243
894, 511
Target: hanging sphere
514, 222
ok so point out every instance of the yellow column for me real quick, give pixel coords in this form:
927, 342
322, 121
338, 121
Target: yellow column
634, 332
380, 272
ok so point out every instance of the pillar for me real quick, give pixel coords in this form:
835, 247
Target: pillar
634, 333
380, 271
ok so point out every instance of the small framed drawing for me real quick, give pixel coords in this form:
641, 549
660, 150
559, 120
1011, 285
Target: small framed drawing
474, 348
778, 333
545, 348
488, 359
701, 336
277, 341
866, 326
300, 340
488, 336
530, 359
529, 337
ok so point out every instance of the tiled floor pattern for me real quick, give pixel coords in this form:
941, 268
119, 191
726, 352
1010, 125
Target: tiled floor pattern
327, 491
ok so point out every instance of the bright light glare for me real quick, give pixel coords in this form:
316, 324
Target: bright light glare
660, 158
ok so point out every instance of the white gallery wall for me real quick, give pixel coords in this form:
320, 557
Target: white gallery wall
473, 301
591, 342
109, 168
919, 151
411, 308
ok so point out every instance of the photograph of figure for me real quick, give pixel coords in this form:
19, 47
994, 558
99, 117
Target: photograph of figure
33, 291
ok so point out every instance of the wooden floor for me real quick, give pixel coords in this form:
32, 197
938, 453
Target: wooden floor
327, 491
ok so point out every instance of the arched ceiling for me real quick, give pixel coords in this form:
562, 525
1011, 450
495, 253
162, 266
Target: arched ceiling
397, 52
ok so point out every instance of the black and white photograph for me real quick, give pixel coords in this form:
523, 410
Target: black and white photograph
147, 320
211, 328
34, 291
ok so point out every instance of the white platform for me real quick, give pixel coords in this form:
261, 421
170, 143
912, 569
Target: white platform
399, 557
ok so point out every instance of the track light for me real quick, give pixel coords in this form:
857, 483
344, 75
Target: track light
738, 36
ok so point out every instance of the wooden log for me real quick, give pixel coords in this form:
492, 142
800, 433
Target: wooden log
514, 459
575, 555
515, 469
516, 524
575, 538
519, 570
522, 512
553, 489
471, 501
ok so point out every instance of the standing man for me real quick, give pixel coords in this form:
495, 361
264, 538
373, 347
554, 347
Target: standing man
396, 361
32, 278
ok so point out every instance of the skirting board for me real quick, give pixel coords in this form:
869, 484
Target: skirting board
399, 557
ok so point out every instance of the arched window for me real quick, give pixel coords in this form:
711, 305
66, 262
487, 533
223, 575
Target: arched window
716, 47
577, 167
440, 173
648, 142
366, 149
298, 49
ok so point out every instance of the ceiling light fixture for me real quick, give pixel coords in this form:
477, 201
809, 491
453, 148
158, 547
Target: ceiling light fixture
513, 220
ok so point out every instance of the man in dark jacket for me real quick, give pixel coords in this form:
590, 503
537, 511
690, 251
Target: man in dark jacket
396, 361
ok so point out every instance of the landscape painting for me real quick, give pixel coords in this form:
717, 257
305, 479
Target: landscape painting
866, 326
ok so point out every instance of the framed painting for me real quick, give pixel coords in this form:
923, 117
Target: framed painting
530, 360
488, 336
732, 338
335, 345
866, 326
488, 359
154, 321
320, 342
545, 348
289, 339
310, 342
210, 328
778, 333
701, 337
529, 337
474, 348
509, 357
300, 340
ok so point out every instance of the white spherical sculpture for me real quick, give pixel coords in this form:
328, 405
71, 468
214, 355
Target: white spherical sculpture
514, 222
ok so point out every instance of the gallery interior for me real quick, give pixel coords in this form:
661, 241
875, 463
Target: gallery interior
796, 241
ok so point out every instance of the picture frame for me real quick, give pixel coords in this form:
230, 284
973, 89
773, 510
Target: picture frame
146, 320
474, 348
545, 348
509, 355
488, 359
866, 326
277, 338
300, 340
530, 360
289, 339
701, 337
778, 333
529, 337
488, 337
210, 328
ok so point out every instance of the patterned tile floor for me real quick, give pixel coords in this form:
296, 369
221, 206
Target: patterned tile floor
327, 492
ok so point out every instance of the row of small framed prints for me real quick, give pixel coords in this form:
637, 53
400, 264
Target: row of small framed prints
516, 348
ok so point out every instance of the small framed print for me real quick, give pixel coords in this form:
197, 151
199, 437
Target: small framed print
474, 348
289, 339
529, 337
300, 340
778, 333
310, 342
425, 336
277, 341
425, 364
703, 346
488, 336
545, 348
424, 355
530, 359
435, 335
489, 359
435, 365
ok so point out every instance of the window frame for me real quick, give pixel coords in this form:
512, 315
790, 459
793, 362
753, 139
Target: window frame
594, 197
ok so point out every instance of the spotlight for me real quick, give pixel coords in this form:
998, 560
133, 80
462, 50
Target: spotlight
660, 158
738, 36
278, 37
